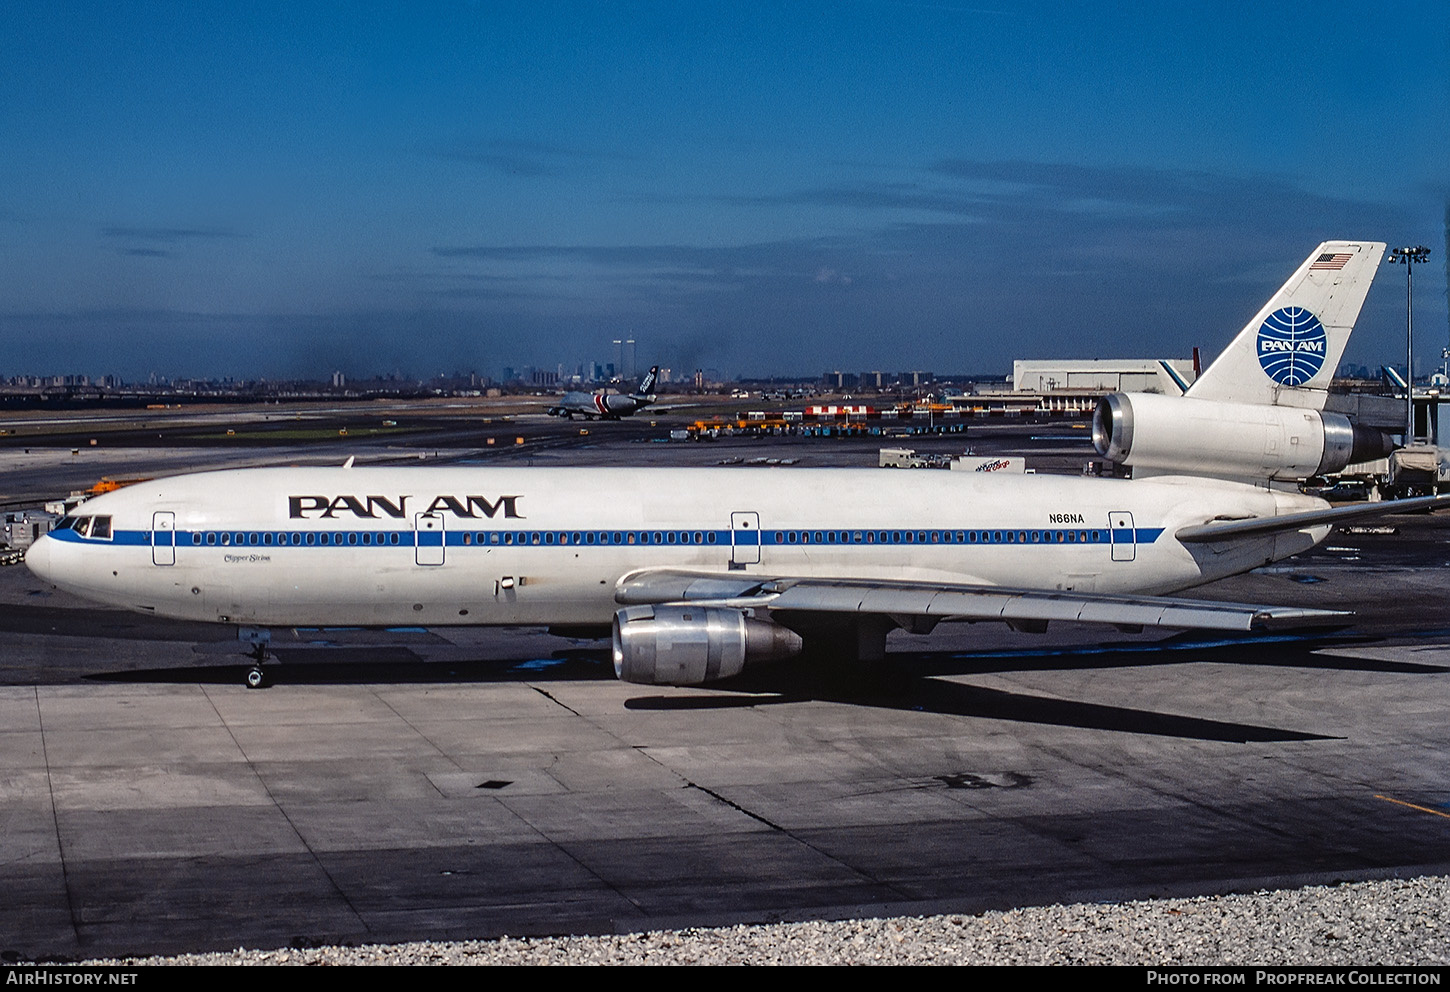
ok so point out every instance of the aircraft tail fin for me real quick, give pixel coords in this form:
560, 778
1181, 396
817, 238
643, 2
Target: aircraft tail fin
647, 384
1288, 353
1178, 381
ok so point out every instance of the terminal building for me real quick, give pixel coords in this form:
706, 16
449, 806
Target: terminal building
1100, 376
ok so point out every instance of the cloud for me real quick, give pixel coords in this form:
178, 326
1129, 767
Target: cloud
522, 159
161, 242
958, 265
166, 235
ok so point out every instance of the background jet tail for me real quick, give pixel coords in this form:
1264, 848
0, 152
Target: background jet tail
1288, 353
647, 384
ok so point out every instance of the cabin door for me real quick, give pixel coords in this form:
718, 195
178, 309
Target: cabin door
744, 539
1122, 535
163, 538
428, 538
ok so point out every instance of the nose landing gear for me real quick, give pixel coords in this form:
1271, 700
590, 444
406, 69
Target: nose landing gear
259, 640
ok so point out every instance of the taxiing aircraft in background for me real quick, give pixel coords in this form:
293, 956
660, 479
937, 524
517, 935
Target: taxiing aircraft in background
608, 406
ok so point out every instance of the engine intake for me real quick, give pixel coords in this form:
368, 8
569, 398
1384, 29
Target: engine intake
691, 645
1163, 434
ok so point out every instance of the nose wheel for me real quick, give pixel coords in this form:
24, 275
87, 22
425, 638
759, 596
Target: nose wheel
256, 678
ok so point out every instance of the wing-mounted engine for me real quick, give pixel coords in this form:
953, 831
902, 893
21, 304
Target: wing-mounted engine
691, 645
1159, 435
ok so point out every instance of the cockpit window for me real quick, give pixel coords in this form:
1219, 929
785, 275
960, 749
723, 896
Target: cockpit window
101, 528
65, 523
83, 526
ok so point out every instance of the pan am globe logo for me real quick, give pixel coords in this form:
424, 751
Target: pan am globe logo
1292, 346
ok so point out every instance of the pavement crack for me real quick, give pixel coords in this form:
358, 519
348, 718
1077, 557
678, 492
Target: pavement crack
60, 847
556, 701
736, 806
281, 809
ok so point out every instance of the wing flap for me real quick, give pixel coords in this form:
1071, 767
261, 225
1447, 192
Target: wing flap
993, 603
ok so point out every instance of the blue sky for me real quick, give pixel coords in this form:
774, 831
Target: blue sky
764, 188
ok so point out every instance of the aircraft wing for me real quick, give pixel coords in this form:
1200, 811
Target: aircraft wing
1224, 530
950, 601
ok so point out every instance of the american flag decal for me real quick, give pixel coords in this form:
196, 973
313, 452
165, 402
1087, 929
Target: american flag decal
1331, 261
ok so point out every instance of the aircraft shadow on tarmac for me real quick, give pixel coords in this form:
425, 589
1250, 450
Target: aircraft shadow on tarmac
906, 681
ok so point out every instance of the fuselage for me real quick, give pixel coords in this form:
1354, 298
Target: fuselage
461, 545
604, 406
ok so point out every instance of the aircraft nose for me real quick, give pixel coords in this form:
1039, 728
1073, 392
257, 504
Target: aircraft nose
38, 558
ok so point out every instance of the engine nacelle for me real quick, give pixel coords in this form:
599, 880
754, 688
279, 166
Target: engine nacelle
690, 645
1162, 434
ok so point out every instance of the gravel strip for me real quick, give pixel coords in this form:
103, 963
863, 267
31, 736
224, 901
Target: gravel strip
1395, 922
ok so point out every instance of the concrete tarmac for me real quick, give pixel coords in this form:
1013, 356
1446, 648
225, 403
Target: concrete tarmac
470, 783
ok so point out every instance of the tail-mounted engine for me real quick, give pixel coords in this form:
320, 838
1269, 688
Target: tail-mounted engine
690, 645
1165, 434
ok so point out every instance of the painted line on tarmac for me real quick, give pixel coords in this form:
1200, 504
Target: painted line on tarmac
1422, 809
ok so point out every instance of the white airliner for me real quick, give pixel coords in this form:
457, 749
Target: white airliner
702, 572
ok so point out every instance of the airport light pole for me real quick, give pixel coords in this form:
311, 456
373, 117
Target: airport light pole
1408, 257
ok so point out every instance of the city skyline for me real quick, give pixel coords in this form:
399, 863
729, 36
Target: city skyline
288, 190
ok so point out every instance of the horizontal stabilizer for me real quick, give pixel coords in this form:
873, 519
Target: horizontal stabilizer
1227, 530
